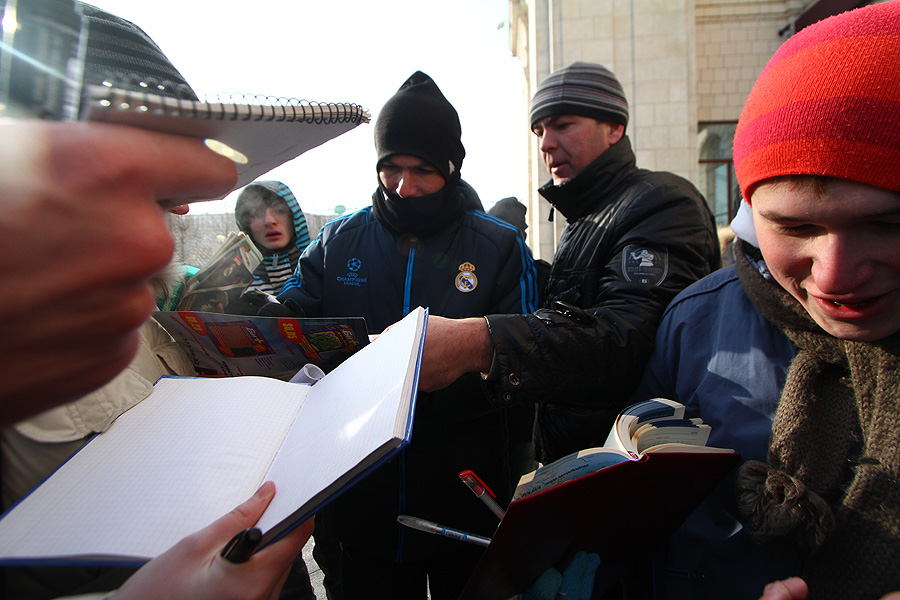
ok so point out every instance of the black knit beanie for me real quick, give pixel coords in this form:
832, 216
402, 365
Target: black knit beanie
419, 121
512, 211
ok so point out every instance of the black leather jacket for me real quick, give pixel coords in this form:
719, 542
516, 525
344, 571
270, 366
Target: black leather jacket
633, 240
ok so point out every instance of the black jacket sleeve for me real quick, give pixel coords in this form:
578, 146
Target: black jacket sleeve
582, 359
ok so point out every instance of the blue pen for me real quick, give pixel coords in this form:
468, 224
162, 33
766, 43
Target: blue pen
429, 527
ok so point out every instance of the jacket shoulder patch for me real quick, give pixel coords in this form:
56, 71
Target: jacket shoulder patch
641, 264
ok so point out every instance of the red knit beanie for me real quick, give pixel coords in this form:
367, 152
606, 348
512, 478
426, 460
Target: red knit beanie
827, 103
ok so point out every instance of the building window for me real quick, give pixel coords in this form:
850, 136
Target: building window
717, 180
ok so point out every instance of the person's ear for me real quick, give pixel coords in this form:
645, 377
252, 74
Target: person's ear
616, 132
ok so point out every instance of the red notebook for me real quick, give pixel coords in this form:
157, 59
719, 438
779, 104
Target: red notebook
624, 511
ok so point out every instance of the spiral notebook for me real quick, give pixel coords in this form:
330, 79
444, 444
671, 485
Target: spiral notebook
259, 132
50, 69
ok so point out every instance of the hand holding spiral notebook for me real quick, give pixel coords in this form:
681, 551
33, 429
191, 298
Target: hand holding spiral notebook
260, 132
57, 66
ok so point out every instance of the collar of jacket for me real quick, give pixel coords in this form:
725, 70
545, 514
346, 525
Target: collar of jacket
426, 215
580, 195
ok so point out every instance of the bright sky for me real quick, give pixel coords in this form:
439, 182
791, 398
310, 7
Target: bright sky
354, 51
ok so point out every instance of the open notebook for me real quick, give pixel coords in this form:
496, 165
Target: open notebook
622, 500
196, 448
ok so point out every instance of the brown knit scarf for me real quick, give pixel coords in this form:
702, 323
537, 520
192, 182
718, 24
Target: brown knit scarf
832, 482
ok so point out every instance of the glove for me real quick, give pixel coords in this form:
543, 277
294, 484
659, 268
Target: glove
576, 583
545, 587
578, 578
288, 308
255, 302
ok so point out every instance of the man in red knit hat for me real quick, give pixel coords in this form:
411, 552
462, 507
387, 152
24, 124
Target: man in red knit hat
793, 355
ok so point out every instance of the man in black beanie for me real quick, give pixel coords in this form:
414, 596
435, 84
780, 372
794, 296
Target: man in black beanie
425, 241
633, 239
512, 211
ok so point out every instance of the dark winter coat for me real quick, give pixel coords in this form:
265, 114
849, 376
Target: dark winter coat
477, 265
633, 240
726, 363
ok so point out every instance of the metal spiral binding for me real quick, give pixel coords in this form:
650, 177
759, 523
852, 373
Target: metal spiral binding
128, 93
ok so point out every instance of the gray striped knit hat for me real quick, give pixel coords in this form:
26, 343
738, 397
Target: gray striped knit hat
584, 89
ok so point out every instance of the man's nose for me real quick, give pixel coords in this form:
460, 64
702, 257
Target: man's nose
840, 263
406, 185
547, 141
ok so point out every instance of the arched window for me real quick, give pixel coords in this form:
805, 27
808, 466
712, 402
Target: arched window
717, 180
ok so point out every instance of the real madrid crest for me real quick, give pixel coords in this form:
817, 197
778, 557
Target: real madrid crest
466, 280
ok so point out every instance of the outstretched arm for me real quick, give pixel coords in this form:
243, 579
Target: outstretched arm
454, 347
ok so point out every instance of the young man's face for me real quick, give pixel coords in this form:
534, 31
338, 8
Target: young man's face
409, 176
569, 143
271, 227
835, 250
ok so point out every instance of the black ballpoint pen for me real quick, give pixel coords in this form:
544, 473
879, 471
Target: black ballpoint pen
242, 545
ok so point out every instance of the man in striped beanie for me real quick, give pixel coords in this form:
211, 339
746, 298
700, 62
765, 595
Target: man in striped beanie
588, 95
793, 355
633, 238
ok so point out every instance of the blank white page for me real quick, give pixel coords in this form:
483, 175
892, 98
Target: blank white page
353, 413
185, 456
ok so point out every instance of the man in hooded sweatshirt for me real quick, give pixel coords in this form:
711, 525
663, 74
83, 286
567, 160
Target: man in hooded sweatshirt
269, 213
425, 240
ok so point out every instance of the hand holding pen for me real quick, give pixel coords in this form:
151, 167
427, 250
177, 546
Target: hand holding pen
193, 569
242, 545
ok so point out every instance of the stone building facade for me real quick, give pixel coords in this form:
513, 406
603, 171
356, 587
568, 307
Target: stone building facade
686, 66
